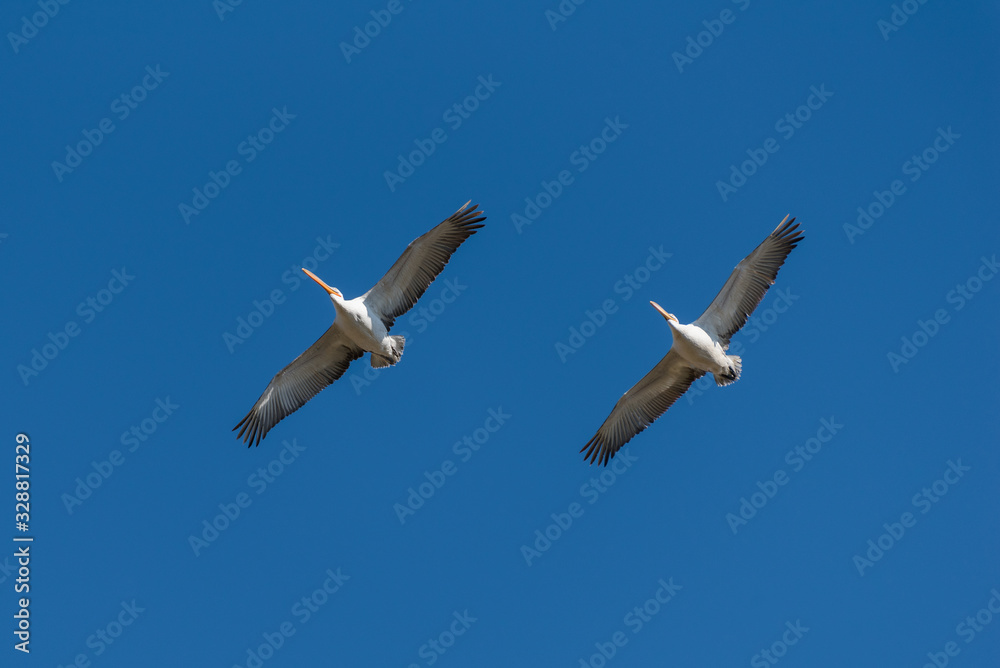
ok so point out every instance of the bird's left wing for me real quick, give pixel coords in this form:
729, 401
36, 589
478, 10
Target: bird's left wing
749, 281
322, 363
420, 263
640, 406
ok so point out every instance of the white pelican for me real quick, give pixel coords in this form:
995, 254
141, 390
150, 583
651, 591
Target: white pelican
361, 325
698, 348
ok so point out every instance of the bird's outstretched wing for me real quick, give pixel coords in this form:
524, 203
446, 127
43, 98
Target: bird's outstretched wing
749, 281
640, 406
420, 263
322, 363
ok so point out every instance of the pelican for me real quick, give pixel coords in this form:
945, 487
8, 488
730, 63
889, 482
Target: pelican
698, 348
361, 325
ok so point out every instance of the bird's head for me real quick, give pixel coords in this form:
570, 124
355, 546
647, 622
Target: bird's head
333, 292
669, 316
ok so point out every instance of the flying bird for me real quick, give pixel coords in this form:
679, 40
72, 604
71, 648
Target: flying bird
698, 348
361, 325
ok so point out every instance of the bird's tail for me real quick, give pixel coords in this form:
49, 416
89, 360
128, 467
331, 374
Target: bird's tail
732, 374
379, 361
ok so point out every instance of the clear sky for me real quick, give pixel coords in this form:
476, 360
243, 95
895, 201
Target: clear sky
168, 170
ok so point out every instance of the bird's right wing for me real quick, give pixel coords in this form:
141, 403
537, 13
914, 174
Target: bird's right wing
640, 406
322, 363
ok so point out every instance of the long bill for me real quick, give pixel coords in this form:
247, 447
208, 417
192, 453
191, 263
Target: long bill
332, 291
668, 316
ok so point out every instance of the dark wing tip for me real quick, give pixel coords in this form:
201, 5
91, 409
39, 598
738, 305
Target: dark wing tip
597, 451
789, 232
251, 428
469, 220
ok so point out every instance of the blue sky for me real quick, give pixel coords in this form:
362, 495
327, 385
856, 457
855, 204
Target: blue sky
168, 170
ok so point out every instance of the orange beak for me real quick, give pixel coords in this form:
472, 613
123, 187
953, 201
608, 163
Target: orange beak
668, 316
332, 291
